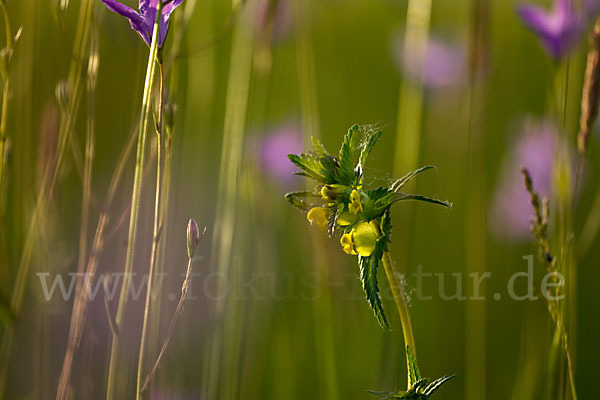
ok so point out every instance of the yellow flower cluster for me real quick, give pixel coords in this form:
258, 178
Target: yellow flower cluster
362, 239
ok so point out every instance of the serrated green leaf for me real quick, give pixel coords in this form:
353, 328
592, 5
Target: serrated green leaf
345, 171
381, 199
414, 375
378, 193
392, 395
386, 223
318, 146
295, 199
368, 143
405, 196
421, 389
319, 168
397, 185
368, 275
435, 385
329, 168
310, 166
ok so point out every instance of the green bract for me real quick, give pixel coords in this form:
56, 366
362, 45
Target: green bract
341, 203
418, 388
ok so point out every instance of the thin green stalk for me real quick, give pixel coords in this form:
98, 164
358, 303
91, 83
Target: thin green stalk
85, 209
135, 204
570, 266
157, 230
399, 297
476, 213
400, 301
410, 105
178, 28
81, 302
192, 244
238, 91
50, 177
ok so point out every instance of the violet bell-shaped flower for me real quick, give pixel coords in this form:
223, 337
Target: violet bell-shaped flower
142, 21
561, 28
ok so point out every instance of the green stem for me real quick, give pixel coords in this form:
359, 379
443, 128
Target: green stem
400, 300
135, 204
178, 311
157, 231
399, 297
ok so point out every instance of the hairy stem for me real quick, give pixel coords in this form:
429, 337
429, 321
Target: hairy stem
399, 297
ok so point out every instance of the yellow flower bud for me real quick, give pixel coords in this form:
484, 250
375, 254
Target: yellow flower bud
331, 192
355, 206
362, 240
319, 216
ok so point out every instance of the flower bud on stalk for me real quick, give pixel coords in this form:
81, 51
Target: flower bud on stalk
193, 237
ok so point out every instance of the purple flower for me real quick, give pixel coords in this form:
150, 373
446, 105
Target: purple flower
275, 147
274, 18
143, 21
560, 29
444, 63
536, 151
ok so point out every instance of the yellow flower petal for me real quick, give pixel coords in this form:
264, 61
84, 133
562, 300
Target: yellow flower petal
347, 245
355, 206
364, 238
319, 216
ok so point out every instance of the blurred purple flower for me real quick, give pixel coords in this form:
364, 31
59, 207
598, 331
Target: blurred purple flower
143, 21
559, 29
274, 18
444, 63
535, 149
275, 147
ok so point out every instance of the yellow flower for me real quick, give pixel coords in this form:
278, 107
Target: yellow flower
331, 192
362, 240
347, 245
319, 216
355, 206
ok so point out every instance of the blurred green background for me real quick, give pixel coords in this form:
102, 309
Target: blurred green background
293, 323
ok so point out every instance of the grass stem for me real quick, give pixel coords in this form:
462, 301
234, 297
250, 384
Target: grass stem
50, 177
158, 215
135, 203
